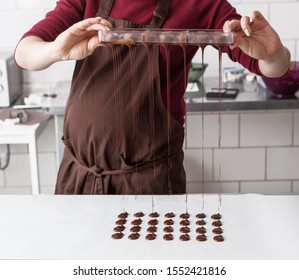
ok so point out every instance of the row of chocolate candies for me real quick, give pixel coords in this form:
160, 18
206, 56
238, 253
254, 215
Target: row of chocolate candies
168, 229
136, 226
122, 219
217, 230
152, 229
185, 229
201, 230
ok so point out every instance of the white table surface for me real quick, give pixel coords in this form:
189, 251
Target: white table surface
80, 227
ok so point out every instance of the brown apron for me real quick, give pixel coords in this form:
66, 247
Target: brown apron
119, 137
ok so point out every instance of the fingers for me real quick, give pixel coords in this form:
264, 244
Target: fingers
90, 24
245, 25
232, 26
256, 15
238, 25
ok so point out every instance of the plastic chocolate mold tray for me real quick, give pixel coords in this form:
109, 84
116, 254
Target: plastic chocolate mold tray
166, 36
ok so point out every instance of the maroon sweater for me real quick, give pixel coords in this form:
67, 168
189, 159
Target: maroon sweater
184, 14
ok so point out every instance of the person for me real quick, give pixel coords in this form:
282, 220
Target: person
121, 132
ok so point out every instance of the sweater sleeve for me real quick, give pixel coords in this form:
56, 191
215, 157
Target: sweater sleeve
64, 15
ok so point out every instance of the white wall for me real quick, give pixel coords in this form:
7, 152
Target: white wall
259, 152
17, 16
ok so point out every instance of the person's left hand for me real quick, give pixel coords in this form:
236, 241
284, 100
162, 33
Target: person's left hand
254, 36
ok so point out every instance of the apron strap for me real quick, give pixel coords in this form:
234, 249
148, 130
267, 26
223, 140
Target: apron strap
160, 14
158, 19
105, 8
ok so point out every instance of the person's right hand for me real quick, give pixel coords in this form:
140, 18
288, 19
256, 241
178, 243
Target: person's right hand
81, 39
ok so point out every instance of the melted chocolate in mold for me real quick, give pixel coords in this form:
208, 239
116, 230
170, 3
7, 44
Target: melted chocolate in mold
217, 224
200, 222
169, 215
153, 222
135, 229
154, 215
138, 214
168, 237
119, 228
185, 237
118, 235
169, 222
201, 230
185, 216
168, 229
217, 230
151, 236
218, 238
123, 215
201, 237
185, 229
216, 216
201, 216
134, 236
136, 222
152, 229
121, 222
185, 223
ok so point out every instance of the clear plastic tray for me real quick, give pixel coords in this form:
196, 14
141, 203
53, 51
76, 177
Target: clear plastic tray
166, 36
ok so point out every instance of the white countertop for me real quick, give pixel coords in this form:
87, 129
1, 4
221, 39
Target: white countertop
80, 227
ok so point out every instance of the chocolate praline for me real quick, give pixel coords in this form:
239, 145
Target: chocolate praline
168, 229
135, 229
201, 230
217, 230
121, 222
154, 215
184, 222
216, 216
201, 237
119, 228
123, 215
185, 237
168, 237
185, 229
201, 216
152, 229
217, 223
200, 222
185, 216
219, 238
169, 215
136, 222
134, 236
118, 235
138, 214
150, 236
153, 222
169, 222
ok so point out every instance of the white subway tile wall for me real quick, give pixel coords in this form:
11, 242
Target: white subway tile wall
259, 150
283, 163
261, 156
271, 129
239, 164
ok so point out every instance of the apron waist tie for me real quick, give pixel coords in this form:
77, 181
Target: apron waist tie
99, 172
